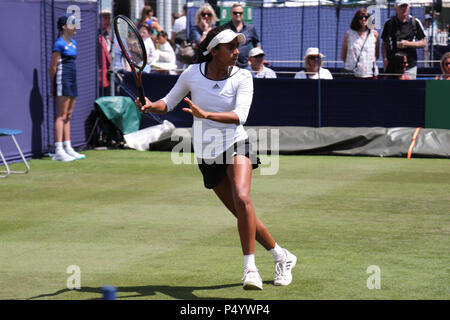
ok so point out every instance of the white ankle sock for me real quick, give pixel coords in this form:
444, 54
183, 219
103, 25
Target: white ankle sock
58, 146
249, 262
277, 252
67, 145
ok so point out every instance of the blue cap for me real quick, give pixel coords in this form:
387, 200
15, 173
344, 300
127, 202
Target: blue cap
62, 21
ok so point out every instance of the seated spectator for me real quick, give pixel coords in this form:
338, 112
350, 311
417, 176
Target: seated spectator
179, 37
311, 62
165, 56
256, 64
397, 67
445, 67
145, 33
205, 19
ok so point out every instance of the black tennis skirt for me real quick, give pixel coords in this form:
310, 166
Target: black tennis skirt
214, 170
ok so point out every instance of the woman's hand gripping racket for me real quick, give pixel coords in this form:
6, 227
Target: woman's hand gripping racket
133, 48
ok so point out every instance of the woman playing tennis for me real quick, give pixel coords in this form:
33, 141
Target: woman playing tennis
221, 97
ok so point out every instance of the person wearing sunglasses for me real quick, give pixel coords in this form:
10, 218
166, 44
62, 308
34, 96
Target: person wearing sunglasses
360, 47
402, 33
237, 24
205, 19
445, 67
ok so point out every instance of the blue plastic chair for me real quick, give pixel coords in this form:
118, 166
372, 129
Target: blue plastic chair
12, 133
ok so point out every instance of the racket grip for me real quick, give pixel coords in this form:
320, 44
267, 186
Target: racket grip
141, 95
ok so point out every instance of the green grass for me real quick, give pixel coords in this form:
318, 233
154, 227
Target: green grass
137, 221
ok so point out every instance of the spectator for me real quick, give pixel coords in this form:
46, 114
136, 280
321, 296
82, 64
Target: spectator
445, 67
179, 36
397, 67
360, 47
431, 36
205, 19
313, 71
178, 27
256, 64
237, 24
104, 39
145, 33
63, 85
147, 17
165, 61
399, 34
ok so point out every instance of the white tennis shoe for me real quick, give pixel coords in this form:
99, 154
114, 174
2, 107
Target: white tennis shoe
78, 156
283, 269
63, 156
252, 279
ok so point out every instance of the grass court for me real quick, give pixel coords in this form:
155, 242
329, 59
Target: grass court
137, 221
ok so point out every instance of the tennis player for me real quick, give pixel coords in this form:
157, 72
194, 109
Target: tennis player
221, 97
63, 81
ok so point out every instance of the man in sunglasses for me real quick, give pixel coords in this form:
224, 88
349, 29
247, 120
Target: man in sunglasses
238, 25
402, 33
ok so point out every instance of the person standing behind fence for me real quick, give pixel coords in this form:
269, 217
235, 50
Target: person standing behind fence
399, 35
360, 47
237, 24
312, 67
63, 85
205, 19
104, 41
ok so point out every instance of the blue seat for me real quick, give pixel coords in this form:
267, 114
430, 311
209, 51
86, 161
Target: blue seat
12, 133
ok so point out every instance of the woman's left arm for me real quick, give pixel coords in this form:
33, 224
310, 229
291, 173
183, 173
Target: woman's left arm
224, 117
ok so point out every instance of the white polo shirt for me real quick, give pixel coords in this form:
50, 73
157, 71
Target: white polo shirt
211, 138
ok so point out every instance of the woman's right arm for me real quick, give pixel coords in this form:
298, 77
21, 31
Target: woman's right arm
171, 100
52, 68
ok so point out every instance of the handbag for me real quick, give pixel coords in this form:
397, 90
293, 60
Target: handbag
186, 53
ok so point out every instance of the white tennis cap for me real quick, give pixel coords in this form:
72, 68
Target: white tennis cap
401, 2
224, 36
255, 52
313, 52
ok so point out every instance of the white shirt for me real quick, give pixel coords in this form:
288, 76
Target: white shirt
324, 74
264, 73
211, 138
179, 24
151, 51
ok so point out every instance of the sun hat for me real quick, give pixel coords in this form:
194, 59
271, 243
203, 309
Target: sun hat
313, 52
401, 2
255, 52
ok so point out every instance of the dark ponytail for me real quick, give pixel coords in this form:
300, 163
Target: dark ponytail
199, 58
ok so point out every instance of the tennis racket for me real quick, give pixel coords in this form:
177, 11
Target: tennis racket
133, 48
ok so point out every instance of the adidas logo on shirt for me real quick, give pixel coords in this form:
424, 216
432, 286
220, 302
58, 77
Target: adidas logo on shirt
216, 86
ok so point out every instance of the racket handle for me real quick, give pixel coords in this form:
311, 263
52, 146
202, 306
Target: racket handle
141, 95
